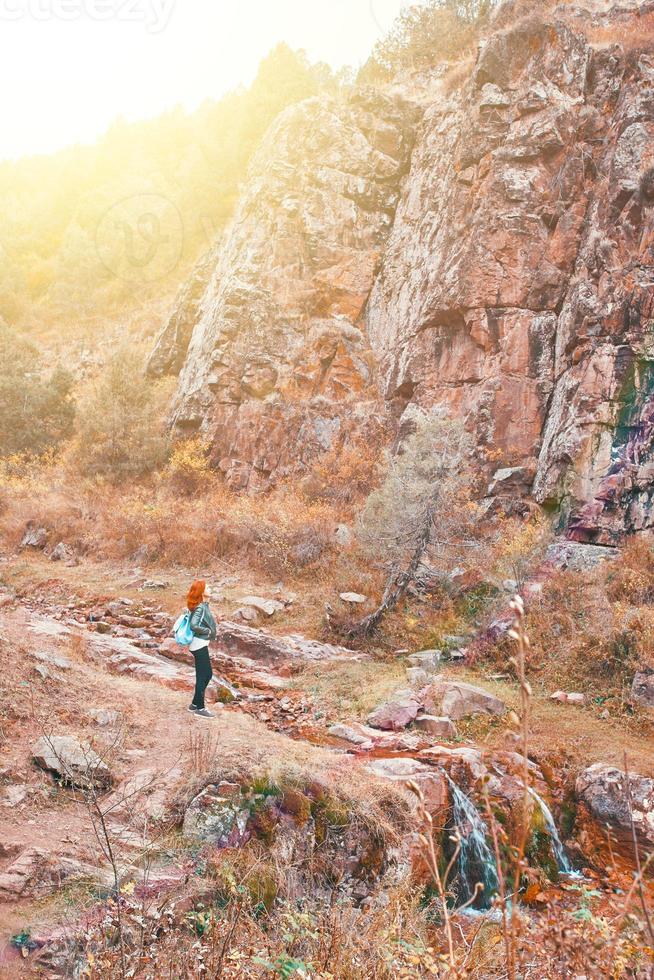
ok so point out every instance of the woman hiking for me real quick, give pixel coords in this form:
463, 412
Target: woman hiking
203, 627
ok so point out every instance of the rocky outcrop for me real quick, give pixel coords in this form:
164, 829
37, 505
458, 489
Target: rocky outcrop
255, 644
618, 800
277, 366
72, 761
489, 250
367, 738
36, 873
515, 284
642, 689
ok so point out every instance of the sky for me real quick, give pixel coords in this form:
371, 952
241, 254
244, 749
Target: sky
68, 68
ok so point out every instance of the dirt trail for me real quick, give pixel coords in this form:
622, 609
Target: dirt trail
54, 672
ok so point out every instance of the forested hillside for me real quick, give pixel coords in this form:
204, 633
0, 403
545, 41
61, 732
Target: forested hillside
68, 263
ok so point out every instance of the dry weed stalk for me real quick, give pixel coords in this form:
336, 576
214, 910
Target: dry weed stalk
638, 881
201, 747
426, 838
518, 633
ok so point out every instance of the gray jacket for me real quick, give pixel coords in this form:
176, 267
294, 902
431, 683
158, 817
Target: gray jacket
202, 623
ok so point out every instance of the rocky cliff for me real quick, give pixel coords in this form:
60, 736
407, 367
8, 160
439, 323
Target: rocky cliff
489, 248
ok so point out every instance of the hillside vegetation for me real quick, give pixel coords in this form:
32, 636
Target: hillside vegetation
68, 264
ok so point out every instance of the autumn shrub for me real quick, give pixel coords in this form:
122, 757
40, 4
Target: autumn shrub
348, 472
581, 638
35, 490
631, 577
287, 532
188, 470
521, 548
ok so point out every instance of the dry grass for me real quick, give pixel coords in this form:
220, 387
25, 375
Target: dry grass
456, 76
591, 631
352, 690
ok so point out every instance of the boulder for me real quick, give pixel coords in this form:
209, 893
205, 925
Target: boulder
73, 762
397, 713
61, 552
15, 794
565, 697
266, 606
438, 727
417, 676
642, 689
34, 537
248, 614
218, 815
427, 659
353, 597
604, 790
456, 700
343, 535
104, 717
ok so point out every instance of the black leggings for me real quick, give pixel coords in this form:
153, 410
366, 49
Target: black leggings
203, 674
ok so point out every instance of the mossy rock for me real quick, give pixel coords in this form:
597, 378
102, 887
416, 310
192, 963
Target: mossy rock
297, 805
539, 851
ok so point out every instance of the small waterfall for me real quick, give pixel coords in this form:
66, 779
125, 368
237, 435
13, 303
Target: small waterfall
558, 850
476, 862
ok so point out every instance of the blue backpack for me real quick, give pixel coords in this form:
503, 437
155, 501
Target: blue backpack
182, 629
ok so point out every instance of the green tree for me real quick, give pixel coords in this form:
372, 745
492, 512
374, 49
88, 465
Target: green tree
422, 506
55, 269
36, 408
121, 431
426, 34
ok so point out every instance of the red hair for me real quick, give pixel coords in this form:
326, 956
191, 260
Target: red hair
195, 595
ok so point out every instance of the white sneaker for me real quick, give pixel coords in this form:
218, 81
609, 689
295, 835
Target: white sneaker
204, 713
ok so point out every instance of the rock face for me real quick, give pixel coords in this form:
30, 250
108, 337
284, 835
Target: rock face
489, 250
515, 283
276, 366
604, 791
